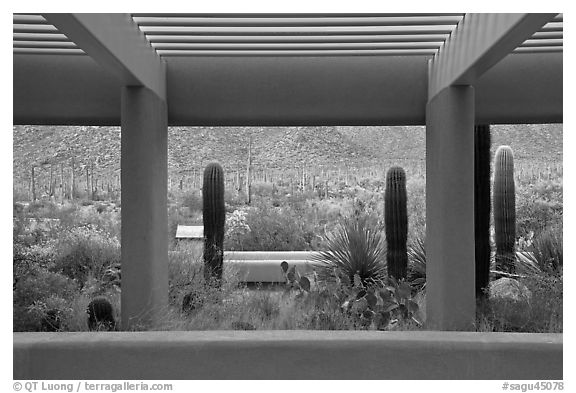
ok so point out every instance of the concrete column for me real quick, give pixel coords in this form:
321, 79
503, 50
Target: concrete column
144, 165
450, 301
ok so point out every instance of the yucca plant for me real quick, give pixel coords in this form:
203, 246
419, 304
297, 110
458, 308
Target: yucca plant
355, 248
417, 262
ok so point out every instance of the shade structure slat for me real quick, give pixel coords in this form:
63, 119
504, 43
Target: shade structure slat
48, 51
287, 22
552, 26
43, 44
39, 37
291, 15
299, 46
538, 49
546, 35
308, 30
19, 28
541, 42
279, 53
29, 19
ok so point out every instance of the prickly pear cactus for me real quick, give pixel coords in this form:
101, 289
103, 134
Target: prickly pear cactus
504, 209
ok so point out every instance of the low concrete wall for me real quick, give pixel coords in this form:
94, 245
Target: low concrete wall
287, 355
252, 271
264, 266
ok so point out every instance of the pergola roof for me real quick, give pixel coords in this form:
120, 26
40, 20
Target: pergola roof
285, 69
281, 35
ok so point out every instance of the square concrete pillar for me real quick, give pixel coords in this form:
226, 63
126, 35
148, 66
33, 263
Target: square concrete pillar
144, 163
450, 268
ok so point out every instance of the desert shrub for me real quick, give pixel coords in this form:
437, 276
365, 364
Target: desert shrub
236, 229
416, 189
262, 189
539, 312
184, 271
547, 249
188, 290
51, 313
193, 201
42, 208
37, 292
263, 306
86, 251
355, 248
273, 229
28, 231
234, 200
539, 206
546, 304
534, 215
101, 208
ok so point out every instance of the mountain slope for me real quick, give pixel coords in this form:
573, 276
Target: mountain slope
272, 147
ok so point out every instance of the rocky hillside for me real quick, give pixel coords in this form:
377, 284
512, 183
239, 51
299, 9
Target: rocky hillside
272, 147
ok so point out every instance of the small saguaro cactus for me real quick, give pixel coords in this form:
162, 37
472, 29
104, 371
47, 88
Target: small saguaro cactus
482, 208
396, 223
214, 215
101, 315
504, 209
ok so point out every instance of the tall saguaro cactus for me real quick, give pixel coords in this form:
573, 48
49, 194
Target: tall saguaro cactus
482, 207
504, 209
214, 216
396, 222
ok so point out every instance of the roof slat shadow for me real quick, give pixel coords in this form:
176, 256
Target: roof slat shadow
297, 38
298, 53
291, 30
298, 46
296, 22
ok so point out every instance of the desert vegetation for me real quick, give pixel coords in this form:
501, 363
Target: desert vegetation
370, 270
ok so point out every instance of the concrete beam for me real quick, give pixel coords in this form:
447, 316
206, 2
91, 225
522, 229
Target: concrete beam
74, 90
117, 44
450, 269
287, 355
522, 88
144, 240
479, 42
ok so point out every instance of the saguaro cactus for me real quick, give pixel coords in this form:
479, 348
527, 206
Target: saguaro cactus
101, 315
504, 209
214, 216
482, 207
396, 222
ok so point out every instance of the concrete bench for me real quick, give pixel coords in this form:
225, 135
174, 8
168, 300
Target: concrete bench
264, 266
